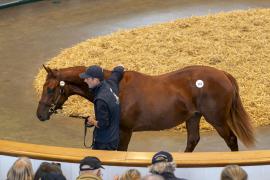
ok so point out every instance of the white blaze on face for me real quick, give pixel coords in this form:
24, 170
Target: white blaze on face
199, 83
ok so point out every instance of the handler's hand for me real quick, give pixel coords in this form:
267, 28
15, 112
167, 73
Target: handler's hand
92, 121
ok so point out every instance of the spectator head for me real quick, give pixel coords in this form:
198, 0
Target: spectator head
131, 174
152, 177
162, 156
162, 162
233, 172
91, 165
46, 167
21, 169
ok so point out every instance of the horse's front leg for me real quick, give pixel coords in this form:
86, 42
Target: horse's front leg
125, 135
193, 132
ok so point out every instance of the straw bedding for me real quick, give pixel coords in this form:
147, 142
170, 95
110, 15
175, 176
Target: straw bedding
237, 42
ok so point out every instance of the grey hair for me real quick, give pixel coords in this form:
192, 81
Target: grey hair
21, 169
161, 167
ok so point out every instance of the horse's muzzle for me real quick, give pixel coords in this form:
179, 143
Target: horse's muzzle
42, 117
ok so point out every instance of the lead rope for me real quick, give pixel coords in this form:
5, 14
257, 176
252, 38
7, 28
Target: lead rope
86, 126
85, 133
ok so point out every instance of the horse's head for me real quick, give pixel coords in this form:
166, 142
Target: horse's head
55, 93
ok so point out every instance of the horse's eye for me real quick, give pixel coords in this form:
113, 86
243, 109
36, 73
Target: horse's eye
50, 91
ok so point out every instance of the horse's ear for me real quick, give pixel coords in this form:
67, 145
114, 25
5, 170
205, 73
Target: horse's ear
49, 71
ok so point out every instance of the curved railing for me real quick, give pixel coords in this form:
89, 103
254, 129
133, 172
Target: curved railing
114, 158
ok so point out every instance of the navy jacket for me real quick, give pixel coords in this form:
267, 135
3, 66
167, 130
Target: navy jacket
107, 108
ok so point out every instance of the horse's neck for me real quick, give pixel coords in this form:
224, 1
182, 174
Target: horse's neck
81, 90
72, 73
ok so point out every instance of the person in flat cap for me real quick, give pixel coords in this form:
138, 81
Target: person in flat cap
90, 168
106, 105
163, 165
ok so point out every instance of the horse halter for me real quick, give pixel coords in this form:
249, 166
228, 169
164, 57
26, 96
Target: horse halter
54, 104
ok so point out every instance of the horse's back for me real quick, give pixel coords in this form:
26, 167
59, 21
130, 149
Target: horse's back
210, 77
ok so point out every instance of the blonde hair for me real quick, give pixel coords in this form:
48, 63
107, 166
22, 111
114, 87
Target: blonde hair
21, 170
131, 174
233, 172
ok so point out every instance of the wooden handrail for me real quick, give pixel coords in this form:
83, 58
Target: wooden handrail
196, 159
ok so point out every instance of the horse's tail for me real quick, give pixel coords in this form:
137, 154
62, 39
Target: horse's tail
239, 120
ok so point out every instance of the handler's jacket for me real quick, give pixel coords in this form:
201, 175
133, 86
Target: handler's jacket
107, 108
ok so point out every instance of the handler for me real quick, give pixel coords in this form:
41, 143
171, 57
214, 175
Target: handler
106, 105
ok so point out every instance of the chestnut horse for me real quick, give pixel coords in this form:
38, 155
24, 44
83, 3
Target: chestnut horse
162, 102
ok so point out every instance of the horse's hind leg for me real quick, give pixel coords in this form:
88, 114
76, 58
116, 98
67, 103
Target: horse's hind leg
227, 134
223, 129
193, 132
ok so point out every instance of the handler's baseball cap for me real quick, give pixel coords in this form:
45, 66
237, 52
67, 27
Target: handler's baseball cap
90, 163
94, 71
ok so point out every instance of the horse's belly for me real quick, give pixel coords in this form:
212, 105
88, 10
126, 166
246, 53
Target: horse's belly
156, 111
153, 123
